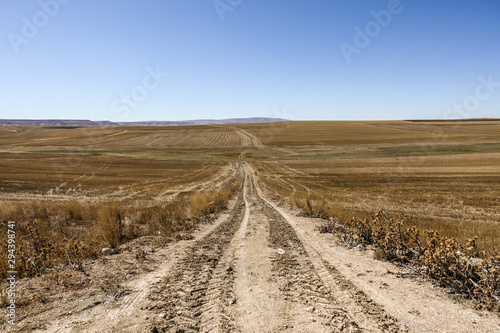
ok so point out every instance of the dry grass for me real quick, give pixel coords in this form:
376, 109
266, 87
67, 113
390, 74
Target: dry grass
51, 234
48, 176
110, 223
40, 248
74, 191
309, 133
121, 137
206, 203
67, 213
456, 195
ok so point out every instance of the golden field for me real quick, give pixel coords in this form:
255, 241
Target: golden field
99, 187
312, 133
443, 175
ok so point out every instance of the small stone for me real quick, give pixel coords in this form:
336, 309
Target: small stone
110, 251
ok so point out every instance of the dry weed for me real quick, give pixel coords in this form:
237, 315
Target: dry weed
110, 223
463, 269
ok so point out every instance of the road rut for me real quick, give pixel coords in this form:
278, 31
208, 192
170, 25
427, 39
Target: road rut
255, 274
260, 268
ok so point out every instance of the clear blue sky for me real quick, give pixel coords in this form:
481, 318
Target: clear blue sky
282, 58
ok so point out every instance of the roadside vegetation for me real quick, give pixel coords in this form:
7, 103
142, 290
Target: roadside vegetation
449, 193
60, 235
454, 195
461, 267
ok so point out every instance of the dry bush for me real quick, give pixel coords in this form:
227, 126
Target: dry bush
46, 237
199, 204
71, 212
463, 269
488, 291
178, 217
330, 227
393, 241
116, 228
310, 206
75, 210
448, 262
298, 199
39, 249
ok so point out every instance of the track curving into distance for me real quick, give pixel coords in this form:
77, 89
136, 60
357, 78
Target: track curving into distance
256, 273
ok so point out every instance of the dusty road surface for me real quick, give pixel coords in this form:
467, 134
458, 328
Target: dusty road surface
253, 274
260, 268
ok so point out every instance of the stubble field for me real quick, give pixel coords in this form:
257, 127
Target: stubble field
82, 189
442, 175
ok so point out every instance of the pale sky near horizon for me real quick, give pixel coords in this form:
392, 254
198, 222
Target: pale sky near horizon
302, 60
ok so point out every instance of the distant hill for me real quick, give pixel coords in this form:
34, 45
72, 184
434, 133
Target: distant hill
451, 120
90, 123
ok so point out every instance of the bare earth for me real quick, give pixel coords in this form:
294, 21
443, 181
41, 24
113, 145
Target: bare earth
258, 268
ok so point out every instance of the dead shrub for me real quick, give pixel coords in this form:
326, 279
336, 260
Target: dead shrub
311, 207
38, 249
462, 269
199, 204
329, 227
171, 218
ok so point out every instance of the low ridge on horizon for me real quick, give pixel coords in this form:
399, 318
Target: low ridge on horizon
104, 123
98, 123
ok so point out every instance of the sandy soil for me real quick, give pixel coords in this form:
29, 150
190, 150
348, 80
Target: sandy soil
258, 268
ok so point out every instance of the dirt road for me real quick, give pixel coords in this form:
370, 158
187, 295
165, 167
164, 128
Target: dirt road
253, 274
259, 268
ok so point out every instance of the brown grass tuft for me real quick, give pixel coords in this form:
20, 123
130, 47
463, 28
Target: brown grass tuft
110, 222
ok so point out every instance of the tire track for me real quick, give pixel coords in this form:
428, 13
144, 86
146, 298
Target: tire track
301, 282
311, 281
221, 293
258, 304
194, 297
257, 273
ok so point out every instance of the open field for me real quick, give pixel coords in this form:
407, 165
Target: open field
456, 195
84, 202
125, 137
73, 191
303, 133
93, 177
443, 175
